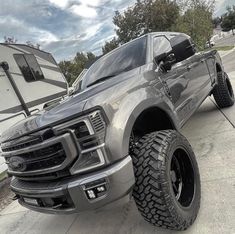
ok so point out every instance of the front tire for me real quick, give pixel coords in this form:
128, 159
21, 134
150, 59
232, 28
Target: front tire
223, 91
167, 190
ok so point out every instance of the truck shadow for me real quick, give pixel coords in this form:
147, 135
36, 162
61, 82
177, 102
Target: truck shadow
121, 220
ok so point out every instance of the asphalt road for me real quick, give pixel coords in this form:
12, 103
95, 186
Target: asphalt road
212, 136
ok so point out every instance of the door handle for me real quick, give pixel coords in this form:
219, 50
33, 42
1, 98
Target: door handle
189, 68
203, 60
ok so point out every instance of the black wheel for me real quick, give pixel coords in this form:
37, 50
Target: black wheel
167, 190
223, 91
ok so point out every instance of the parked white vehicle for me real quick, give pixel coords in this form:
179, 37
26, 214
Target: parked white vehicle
210, 43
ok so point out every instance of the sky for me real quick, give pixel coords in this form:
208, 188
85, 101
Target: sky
65, 27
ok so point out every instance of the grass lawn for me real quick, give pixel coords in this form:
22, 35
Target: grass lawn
224, 48
221, 48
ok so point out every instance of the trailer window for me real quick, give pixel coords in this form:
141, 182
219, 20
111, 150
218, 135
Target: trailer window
29, 67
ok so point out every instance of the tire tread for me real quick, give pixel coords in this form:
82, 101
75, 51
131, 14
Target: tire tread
221, 93
150, 191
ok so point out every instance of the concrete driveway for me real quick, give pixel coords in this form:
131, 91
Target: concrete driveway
227, 41
212, 135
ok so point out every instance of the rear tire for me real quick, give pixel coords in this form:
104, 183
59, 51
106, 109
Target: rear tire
167, 190
223, 91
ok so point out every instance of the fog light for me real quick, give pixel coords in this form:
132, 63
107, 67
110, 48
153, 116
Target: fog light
91, 194
101, 189
95, 189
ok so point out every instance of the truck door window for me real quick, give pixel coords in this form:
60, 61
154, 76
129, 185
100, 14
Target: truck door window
161, 45
29, 67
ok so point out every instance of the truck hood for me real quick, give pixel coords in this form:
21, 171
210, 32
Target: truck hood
67, 109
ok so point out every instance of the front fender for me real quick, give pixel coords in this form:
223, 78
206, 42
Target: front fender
123, 120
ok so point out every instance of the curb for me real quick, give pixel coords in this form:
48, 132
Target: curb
3, 176
4, 181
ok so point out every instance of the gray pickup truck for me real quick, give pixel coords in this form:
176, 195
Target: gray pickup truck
118, 136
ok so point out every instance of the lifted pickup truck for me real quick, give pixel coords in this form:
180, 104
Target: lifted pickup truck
119, 135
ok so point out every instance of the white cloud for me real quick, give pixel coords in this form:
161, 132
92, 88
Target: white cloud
60, 3
64, 4
25, 32
92, 31
81, 8
83, 11
91, 3
62, 27
101, 42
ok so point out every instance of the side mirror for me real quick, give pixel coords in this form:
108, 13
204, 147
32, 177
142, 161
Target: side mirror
160, 58
165, 60
182, 47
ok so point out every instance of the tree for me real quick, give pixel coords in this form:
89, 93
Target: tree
193, 17
110, 45
72, 69
67, 69
90, 56
216, 21
13, 40
36, 46
145, 16
196, 21
10, 40
228, 20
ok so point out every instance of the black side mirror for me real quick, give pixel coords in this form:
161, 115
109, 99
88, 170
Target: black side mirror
182, 47
160, 58
165, 60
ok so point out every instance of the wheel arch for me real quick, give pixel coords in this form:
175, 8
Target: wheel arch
152, 119
218, 67
145, 120
129, 117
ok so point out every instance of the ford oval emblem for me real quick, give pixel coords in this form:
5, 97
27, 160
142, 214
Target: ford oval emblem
17, 164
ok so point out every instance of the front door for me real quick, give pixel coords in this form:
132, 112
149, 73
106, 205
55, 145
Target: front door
186, 82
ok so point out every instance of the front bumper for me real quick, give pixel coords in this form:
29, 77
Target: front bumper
70, 195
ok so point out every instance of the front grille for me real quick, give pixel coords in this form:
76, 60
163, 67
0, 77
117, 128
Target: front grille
48, 159
44, 158
22, 145
26, 141
48, 154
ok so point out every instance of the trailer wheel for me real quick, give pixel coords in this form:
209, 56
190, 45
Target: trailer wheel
167, 189
223, 91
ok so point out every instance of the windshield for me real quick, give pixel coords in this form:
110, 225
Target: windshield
127, 57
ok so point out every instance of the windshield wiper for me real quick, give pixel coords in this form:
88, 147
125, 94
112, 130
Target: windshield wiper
101, 79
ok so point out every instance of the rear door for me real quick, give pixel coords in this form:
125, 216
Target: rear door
198, 82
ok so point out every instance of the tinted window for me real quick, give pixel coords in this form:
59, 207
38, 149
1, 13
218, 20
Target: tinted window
29, 67
126, 58
161, 45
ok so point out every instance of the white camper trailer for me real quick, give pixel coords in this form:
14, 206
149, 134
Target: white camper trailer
29, 78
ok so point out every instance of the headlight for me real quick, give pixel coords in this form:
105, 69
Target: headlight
89, 131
